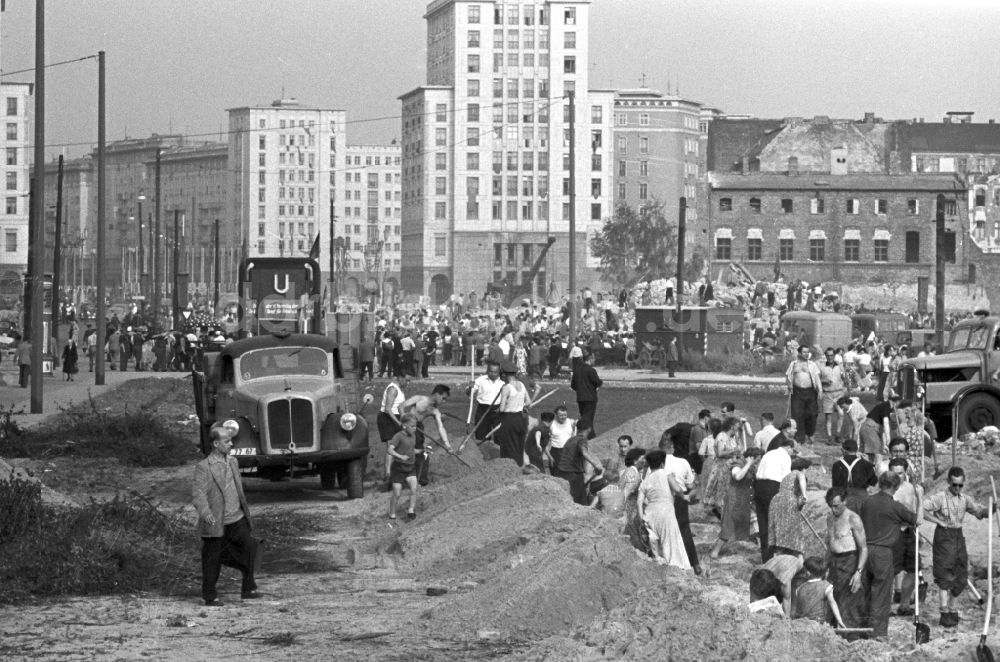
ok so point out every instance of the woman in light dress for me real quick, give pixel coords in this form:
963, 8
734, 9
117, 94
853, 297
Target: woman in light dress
656, 508
728, 444
628, 482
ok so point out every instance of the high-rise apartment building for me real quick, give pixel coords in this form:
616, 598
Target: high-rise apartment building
16, 175
286, 167
486, 149
657, 150
368, 218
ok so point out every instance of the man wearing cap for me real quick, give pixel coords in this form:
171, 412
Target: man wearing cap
586, 382
224, 522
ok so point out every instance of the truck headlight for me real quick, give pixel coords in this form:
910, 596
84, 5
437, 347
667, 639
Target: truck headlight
348, 422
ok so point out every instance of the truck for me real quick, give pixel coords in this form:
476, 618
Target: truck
817, 329
961, 391
292, 392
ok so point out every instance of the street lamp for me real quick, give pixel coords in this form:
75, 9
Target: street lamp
142, 255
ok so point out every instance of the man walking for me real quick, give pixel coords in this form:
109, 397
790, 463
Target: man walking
223, 519
23, 357
832, 379
586, 382
883, 517
804, 391
366, 359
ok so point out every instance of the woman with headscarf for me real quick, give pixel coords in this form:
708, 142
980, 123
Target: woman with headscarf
787, 522
738, 506
655, 504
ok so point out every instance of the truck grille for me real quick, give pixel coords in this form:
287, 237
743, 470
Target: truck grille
290, 420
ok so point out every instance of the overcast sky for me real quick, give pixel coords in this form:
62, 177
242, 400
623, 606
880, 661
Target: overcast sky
176, 65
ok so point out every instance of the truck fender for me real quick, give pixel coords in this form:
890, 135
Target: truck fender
988, 409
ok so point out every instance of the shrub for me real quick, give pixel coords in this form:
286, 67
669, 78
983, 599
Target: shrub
733, 364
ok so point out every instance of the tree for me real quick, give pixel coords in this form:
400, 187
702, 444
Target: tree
636, 245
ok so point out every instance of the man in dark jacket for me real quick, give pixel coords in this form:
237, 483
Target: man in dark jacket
586, 382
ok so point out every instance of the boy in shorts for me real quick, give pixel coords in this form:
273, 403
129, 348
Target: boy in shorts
401, 458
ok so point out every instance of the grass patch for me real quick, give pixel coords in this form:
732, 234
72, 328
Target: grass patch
126, 424
733, 364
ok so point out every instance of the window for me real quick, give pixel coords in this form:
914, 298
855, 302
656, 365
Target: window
951, 206
817, 250
622, 145
881, 250
473, 87
817, 206
528, 160
10, 241
755, 248
473, 64
473, 41
786, 205
12, 106
622, 169
596, 115
912, 208
529, 39
262, 142
912, 247
595, 212
853, 206
595, 162
725, 204
11, 181
440, 210
723, 248
473, 14
643, 119
643, 145
785, 249
260, 246
755, 205
440, 137
440, 245
852, 250
472, 161
882, 206
440, 186
622, 191
261, 211
644, 191
569, 65
12, 156
440, 161
512, 88
595, 188
472, 136
441, 112
472, 112
11, 131
569, 16
569, 40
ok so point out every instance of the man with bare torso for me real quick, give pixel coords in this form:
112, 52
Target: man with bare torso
423, 407
847, 553
804, 390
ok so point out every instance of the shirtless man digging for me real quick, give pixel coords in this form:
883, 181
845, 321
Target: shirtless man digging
423, 407
847, 553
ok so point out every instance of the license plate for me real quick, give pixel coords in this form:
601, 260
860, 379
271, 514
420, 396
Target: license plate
243, 451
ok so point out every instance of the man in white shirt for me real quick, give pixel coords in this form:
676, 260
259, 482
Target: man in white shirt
682, 471
561, 430
771, 470
767, 431
486, 393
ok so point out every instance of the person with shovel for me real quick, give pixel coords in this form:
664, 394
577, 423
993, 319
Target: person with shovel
424, 407
951, 561
847, 555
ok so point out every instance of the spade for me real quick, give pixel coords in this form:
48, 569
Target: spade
983, 652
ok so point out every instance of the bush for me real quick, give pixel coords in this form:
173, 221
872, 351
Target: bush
136, 437
124, 545
733, 364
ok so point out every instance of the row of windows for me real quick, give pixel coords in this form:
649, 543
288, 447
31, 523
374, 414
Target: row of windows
372, 211
473, 63
515, 15
515, 210
515, 39
623, 145
307, 229
817, 250
956, 164
851, 206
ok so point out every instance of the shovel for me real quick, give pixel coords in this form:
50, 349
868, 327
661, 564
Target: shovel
921, 631
983, 652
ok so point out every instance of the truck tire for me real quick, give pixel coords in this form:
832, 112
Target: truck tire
976, 412
328, 476
355, 478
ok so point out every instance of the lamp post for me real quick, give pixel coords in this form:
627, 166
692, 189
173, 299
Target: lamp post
142, 254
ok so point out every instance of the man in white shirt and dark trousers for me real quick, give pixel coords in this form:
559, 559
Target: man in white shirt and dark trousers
562, 429
771, 470
486, 392
767, 431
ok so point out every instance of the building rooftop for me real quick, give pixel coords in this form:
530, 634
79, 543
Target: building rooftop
944, 137
824, 182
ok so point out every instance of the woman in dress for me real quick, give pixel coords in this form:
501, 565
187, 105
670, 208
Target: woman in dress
707, 453
788, 527
736, 512
70, 357
521, 357
628, 481
656, 508
727, 446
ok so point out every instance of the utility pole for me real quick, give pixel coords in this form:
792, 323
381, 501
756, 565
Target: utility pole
174, 294
333, 230
572, 218
681, 232
142, 253
939, 270
38, 214
188, 254
215, 270
157, 283
57, 257
102, 327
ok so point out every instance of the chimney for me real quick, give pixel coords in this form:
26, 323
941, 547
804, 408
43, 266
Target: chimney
793, 166
947, 120
992, 121
869, 118
744, 165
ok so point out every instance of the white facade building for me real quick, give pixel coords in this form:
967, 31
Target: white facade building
17, 110
485, 154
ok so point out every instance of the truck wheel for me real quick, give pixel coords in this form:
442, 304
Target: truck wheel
328, 476
976, 412
355, 478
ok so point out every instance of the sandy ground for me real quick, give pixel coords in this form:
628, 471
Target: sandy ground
524, 574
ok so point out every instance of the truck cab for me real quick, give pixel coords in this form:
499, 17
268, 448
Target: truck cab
959, 386
297, 411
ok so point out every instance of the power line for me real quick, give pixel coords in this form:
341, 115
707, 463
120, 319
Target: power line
49, 66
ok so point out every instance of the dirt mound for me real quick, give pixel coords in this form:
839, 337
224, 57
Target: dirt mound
646, 430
